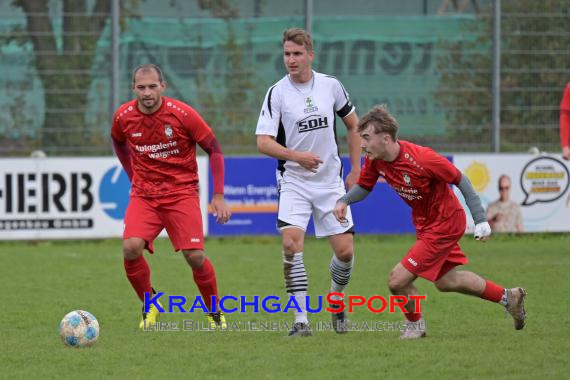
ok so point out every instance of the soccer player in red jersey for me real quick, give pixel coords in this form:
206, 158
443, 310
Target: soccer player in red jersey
421, 177
565, 123
155, 139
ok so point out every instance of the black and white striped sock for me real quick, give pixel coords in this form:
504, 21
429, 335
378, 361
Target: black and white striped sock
296, 282
340, 274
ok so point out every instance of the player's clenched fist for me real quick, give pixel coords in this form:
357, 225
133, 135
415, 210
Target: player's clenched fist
339, 211
309, 161
482, 231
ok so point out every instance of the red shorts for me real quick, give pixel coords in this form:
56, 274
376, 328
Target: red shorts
179, 214
437, 252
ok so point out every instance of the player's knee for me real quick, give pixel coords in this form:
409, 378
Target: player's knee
396, 283
394, 286
344, 254
444, 285
132, 249
195, 258
292, 245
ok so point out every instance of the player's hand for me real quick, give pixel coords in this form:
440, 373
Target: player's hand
351, 179
309, 161
566, 153
220, 209
482, 231
339, 212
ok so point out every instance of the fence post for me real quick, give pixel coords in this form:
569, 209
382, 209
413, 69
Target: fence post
309, 16
496, 86
115, 37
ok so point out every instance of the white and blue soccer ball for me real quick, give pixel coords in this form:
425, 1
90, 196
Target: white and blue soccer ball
79, 329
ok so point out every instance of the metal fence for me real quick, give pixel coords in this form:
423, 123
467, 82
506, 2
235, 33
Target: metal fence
430, 61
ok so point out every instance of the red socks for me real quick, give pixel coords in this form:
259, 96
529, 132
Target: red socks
492, 292
138, 274
412, 317
205, 278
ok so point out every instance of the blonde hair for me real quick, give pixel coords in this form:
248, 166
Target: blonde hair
298, 36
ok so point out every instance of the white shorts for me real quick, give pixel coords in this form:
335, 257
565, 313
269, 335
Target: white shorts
297, 203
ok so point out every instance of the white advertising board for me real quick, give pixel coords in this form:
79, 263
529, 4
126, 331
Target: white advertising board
539, 183
69, 198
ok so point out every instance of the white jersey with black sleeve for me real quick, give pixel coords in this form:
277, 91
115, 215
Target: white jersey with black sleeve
302, 118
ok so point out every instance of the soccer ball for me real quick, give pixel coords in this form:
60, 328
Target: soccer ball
79, 329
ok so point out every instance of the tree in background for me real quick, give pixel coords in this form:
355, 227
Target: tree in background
535, 36
229, 111
64, 64
64, 60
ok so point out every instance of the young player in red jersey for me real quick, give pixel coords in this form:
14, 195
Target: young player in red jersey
421, 177
565, 123
155, 139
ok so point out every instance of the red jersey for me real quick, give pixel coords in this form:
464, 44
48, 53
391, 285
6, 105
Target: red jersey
565, 118
162, 146
420, 176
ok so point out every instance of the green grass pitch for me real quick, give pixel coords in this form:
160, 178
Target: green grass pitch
467, 337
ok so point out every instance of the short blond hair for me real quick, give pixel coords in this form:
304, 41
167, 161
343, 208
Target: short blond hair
381, 120
298, 36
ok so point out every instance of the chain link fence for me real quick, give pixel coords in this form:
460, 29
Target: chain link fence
429, 61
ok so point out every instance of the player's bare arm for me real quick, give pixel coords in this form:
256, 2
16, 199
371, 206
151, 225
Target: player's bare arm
353, 139
266, 144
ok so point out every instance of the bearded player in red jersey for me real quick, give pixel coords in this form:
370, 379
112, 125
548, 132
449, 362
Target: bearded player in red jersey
420, 176
155, 139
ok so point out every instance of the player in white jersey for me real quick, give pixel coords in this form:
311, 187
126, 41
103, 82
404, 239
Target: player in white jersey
297, 126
